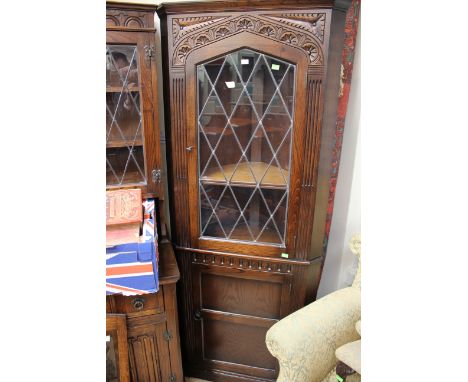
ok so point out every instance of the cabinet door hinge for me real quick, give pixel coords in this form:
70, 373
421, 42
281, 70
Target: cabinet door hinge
156, 175
167, 335
149, 51
172, 378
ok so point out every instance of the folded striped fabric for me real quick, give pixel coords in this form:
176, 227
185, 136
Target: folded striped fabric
132, 268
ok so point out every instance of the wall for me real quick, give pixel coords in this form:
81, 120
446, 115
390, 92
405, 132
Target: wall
340, 263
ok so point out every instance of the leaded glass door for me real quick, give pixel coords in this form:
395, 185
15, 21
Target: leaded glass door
245, 129
132, 133
125, 163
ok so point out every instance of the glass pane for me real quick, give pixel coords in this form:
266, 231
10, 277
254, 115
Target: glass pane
123, 166
245, 120
124, 130
121, 66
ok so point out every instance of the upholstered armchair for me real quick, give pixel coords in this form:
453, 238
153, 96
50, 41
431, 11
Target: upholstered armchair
305, 341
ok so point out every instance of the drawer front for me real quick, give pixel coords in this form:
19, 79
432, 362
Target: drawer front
135, 305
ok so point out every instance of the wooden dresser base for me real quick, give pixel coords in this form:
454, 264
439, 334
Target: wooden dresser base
152, 325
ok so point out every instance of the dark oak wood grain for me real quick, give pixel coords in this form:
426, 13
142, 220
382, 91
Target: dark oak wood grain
231, 292
241, 296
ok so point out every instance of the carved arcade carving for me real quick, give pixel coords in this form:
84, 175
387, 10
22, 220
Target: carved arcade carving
310, 22
130, 19
181, 27
240, 263
307, 33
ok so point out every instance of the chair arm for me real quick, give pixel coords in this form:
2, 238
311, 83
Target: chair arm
305, 342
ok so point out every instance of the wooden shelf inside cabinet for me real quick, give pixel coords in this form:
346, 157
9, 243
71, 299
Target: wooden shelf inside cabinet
117, 143
243, 176
242, 233
119, 89
131, 179
217, 129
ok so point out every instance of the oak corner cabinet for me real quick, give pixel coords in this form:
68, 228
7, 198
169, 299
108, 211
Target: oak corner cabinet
251, 91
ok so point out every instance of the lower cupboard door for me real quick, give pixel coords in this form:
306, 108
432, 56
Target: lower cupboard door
148, 351
234, 309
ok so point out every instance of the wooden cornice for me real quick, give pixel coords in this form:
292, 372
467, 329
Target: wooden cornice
240, 6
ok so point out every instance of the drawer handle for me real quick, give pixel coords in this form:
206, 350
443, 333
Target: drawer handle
197, 315
138, 303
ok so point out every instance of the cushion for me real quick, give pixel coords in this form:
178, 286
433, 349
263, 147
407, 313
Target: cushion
350, 354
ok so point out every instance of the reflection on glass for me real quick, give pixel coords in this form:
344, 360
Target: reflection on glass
124, 135
245, 125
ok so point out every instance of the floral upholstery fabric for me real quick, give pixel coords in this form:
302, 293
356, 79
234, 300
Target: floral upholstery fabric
305, 341
331, 377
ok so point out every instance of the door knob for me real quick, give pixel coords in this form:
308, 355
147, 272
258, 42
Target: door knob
197, 315
190, 148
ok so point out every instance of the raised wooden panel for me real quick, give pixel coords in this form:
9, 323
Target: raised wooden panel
147, 348
230, 294
234, 343
143, 358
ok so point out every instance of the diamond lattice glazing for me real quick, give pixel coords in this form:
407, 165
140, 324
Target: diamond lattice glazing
245, 126
124, 142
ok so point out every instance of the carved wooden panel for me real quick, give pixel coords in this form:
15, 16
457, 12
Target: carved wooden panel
241, 263
129, 19
304, 31
179, 144
310, 22
183, 26
142, 354
311, 151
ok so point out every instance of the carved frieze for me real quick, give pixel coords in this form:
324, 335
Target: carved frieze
310, 22
127, 19
241, 263
307, 34
183, 26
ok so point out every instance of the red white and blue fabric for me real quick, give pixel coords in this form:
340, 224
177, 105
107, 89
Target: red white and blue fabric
132, 268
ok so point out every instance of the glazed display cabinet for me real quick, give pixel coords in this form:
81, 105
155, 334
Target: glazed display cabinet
132, 129
133, 159
251, 91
